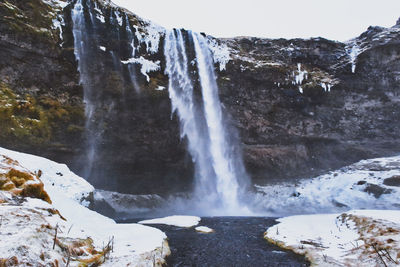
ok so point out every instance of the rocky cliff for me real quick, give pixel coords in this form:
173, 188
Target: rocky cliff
299, 106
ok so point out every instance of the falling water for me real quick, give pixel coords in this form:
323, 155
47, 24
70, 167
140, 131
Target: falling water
82, 46
131, 67
217, 167
90, 34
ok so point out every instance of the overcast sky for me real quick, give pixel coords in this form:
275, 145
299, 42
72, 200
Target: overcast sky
333, 19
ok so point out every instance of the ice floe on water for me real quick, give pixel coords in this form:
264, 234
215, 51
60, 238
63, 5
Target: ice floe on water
204, 229
175, 220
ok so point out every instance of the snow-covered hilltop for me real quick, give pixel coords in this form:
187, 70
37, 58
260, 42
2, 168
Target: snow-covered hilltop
65, 232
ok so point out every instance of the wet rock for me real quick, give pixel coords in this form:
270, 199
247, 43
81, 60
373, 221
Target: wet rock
392, 181
376, 190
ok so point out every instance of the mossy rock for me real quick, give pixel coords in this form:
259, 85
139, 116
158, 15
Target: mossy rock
24, 184
29, 19
35, 120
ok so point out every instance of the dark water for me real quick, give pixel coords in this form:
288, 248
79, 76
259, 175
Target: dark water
237, 241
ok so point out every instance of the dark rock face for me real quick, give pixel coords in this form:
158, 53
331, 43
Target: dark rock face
392, 181
287, 133
139, 145
339, 117
41, 109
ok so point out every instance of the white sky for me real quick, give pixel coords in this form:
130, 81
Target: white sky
332, 19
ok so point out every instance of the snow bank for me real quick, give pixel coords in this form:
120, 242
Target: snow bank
355, 238
133, 244
57, 178
176, 220
363, 185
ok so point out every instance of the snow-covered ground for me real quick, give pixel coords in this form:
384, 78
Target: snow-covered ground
354, 238
176, 220
365, 231
368, 184
34, 221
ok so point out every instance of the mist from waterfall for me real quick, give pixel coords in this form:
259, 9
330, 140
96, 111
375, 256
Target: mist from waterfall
220, 177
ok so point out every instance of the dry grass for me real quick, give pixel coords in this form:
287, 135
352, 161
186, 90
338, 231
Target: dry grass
12, 261
378, 239
22, 183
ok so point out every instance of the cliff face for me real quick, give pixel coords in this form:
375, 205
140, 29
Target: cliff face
300, 106
41, 106
348, 108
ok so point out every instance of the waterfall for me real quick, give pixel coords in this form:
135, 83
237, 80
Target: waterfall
219, 173
81, 48
131, 67
218, 169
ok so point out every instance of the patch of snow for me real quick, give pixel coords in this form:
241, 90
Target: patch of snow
58, 20
147, 65
340, 239
257, 63
58, 3
119, 17
150, 37
57, 25
96, 8
176, 220
204, 229
353, 52
160, 88
149, 34
300, 76
26, 233
61, 3
220, 52
101, 18
326, 86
